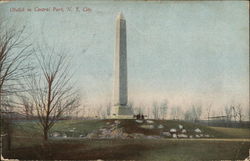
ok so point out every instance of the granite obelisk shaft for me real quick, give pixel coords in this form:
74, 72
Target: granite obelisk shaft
120, 82
120, 109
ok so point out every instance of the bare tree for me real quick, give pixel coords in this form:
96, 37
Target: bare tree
193, 113
176, 112
188, 115
198, 111
155, 110
208, 110
108, 108
101, 111
234, 112
163, 109
148, 112
83, 111
239, 111
6, 123
26, 106
139, 109
52, 90
228, 111
131, 105
14, 53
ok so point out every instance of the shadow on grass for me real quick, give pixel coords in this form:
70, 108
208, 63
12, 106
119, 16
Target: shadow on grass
139, 149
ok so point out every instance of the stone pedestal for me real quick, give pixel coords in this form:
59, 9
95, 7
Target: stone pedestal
121, 112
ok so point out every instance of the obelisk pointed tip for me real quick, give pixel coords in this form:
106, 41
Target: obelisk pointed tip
120, 16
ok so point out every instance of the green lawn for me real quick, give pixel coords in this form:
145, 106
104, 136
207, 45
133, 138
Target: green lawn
233, 132
228, 143
86, 126
137, 149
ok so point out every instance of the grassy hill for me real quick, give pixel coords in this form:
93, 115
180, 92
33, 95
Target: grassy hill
76, 128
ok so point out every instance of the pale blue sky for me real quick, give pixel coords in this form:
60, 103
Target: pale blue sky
186, 52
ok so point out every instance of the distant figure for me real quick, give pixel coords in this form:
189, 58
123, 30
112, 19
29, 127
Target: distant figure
139, 116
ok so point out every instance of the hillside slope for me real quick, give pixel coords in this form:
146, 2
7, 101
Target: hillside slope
142, 129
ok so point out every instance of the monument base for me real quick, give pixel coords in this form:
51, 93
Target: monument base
121, 112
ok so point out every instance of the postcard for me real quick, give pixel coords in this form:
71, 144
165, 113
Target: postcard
124, 80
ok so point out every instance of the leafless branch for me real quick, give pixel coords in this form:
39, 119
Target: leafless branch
14, 52
52, 90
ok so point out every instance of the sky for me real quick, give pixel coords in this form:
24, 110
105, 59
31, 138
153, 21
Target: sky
185, 52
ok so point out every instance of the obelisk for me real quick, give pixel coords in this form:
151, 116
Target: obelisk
120, 109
